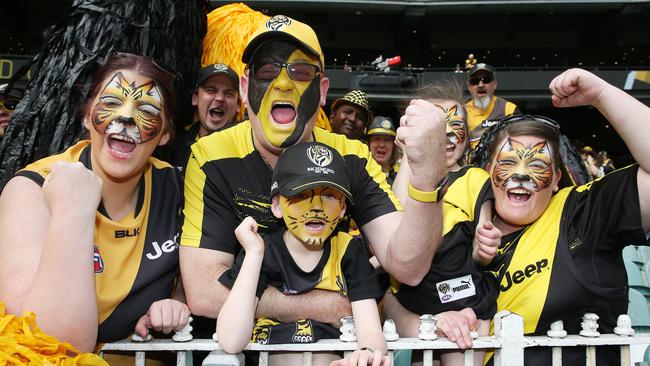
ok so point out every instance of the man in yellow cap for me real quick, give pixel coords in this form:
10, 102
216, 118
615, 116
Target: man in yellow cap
350, 115
381, 142
229, 174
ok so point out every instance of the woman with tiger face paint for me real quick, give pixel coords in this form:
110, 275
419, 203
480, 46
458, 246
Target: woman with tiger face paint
90, 227
561, 253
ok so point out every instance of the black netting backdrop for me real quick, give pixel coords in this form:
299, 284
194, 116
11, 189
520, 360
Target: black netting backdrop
48, 119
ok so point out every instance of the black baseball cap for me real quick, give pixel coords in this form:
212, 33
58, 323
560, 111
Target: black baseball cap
217, 69
482, 67
309, 165
381, 126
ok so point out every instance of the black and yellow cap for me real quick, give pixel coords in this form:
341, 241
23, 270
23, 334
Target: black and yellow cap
357, 98
381, 126
279, 27
309, 165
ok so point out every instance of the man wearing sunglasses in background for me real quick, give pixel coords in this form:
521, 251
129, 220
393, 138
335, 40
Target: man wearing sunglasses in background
10, 96
229, 177
485, 108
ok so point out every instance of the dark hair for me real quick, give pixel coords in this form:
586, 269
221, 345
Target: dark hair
529, 127
447, 89
144, 66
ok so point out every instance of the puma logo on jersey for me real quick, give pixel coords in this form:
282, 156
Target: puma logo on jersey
519, 276
166, 247
127, 233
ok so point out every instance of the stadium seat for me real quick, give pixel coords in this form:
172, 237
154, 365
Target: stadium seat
402, 357
632, 255
643, 252
636, 279
638, 311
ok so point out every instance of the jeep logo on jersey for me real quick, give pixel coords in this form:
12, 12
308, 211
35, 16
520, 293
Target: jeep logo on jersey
98, 262
319, 155
166, 247
278, 22
519, 276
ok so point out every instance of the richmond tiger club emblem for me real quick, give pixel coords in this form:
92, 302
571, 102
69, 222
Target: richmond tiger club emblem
220, 67
278, 22
320, 155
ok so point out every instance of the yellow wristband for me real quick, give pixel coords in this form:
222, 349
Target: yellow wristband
422, 196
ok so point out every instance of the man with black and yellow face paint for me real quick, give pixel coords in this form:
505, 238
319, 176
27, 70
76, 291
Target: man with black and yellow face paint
229, 171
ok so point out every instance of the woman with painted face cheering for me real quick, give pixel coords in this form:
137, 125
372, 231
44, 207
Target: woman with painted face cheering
89, 235
561, 253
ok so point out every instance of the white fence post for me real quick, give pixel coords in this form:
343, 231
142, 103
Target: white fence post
221, 358
509, 327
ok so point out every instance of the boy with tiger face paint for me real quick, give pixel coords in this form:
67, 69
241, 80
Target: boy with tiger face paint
309, 190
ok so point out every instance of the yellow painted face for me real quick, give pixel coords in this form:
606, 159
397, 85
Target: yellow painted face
313, 215
134, 111
456, 132
283, 106
527, 166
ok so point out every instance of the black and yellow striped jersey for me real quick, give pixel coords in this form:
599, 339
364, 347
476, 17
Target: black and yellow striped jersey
569, 262
136, 258
454, 280
227, 179
343, 268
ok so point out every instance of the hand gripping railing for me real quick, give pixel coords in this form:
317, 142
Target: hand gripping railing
508, 343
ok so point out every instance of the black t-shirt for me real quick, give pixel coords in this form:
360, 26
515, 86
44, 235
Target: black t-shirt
343, 268
454, 280
227, 179
569, 261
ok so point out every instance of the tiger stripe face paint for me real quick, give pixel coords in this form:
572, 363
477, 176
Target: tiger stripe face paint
456, 131
523, 179
527, 166
313, 215
133, 111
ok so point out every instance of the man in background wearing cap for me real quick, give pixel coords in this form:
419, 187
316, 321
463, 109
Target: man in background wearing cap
381, 141
216, 99
485, 109
229, 172
350, 115
9, 99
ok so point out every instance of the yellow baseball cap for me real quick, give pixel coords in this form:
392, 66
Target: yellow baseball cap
281, 26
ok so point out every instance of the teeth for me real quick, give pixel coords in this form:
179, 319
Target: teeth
282, 104
123, 138
519, 191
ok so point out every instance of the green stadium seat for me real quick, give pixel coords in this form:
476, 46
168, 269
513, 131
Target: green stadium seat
643, 253
635, 278
402, 357
638, 311
632, 255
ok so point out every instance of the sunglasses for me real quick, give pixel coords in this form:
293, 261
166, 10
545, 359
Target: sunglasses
477, 79
298, 71
9, 105
534, 117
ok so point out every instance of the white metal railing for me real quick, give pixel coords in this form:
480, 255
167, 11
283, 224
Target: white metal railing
508, 343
